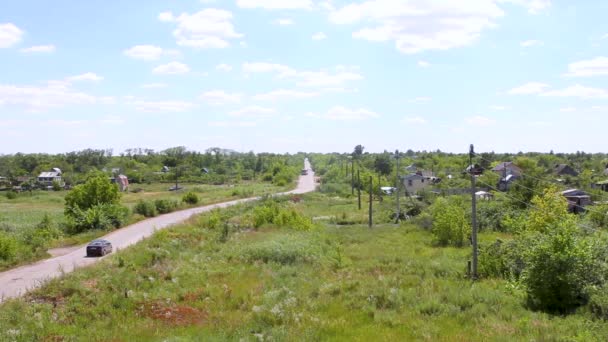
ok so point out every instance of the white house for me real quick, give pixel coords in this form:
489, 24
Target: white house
414, 183
47, 178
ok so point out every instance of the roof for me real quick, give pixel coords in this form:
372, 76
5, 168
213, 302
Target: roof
559, 168
412, 176
504, 165
574, 193
49, 174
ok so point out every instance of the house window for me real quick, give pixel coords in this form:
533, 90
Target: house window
410, 183
422, 180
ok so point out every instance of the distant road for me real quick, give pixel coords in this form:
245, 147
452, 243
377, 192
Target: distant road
16, 282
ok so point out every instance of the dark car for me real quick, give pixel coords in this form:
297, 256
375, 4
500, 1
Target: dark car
99, 248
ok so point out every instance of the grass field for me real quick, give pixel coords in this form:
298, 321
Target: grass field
337, 282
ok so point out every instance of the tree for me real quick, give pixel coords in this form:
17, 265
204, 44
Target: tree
358, 151
450, 225
96, 191
382, 164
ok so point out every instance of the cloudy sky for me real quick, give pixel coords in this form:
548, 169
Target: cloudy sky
304, 75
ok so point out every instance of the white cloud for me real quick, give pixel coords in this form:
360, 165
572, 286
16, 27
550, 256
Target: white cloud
276, 4
144, 52
424, 64
206, 29
591, 67
154, 85
254, 112
39, 49
498, 107
530, 43
282, 94
319, 36
529, 88
89, 76
533, 6
321, 79
480, 121
112, 120
340, 113
417, 26
9, 35
605, 36
172, 68
224, 67
53, 95
567, 109
284, 22
231, 124
421, 25
578, 91
162, 106
414, 120
220, 97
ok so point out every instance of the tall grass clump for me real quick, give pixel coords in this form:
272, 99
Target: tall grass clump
280, 214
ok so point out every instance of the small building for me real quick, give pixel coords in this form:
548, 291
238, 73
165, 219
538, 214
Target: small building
603, 185
577, 200
414, 183
474, 169
508, 169
205, 170
484, 195
388, 190
565, 170
504, 184
47, 178
165, 169
122, 181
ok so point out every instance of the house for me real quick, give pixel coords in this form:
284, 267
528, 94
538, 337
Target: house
205, 170
565, 170
603, 185
122, 181
388, 190
484, 195
47, 178
508, 169
165, 169
577, 200
414, 183
504, 184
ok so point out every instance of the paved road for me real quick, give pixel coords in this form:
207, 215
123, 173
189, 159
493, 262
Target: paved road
18, 281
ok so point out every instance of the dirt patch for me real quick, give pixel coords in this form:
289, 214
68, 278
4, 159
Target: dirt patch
90, 284
53, 338
172, 314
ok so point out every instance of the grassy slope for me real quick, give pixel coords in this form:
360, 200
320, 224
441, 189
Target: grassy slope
340, 283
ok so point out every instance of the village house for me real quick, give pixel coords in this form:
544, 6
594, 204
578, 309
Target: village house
47, 178
414, 183
508, 169
122, 181
565, 170
577, 200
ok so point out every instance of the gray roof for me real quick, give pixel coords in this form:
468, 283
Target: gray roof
49, 174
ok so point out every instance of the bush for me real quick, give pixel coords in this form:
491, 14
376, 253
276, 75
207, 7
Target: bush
145, 208
56, 186
11, 195
97, 190
502, 259
450, 226
281, 214
598, 303
560, 269
190, 198
164, 206
8, 247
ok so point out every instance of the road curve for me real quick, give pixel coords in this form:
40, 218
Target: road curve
17, 281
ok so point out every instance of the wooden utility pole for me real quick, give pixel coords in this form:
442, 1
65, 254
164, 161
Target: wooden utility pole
359, 188
474, 211
352, 176
397, 188
371, 190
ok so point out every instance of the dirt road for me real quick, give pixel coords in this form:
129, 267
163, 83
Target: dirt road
18, 281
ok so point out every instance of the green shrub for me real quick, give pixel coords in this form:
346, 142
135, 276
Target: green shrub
560, 269
598, 303
190, 198
101, 217
145, 208
8, 247
164, 206
286, 249
281, 214
502, 259
450, 226
11, 195
56, 186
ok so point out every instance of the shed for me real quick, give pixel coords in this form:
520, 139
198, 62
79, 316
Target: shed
122, 181
577, 200
508, 169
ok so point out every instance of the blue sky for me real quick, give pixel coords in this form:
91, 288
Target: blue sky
304, 75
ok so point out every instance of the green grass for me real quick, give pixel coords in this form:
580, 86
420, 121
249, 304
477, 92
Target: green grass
337, 282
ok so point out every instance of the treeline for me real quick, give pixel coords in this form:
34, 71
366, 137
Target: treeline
213, 166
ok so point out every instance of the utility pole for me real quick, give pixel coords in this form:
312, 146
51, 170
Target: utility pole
474, 211
359, 188
371, 190
397, 187
352, 175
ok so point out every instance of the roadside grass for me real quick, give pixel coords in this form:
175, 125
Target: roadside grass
335, 282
